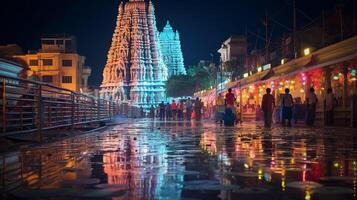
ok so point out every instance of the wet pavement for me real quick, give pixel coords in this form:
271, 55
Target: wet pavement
191, 160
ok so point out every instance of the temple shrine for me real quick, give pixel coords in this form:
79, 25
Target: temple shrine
171, 50
135, 71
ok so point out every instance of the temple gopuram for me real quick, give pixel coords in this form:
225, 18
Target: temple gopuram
135, 71
171, 50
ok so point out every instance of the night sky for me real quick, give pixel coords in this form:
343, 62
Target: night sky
203, 24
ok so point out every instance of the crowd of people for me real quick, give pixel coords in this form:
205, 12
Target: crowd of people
287, 105
227, 110
183, 109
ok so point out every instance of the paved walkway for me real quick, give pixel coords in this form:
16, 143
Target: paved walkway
144, 159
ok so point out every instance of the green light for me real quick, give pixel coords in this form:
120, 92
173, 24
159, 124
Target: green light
353, 72
335, 77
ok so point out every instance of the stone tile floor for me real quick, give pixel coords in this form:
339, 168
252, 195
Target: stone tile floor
147, 159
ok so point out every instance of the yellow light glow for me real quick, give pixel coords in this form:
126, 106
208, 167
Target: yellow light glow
307, 51
282, 61
259, 69
283, 183
246, 165
260, 174
307, 195
245, 75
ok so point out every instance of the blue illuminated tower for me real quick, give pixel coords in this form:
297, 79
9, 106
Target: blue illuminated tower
171, 50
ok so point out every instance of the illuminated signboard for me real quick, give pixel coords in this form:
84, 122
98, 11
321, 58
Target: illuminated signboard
266, 67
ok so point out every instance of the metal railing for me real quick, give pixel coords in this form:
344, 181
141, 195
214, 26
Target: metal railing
30, 106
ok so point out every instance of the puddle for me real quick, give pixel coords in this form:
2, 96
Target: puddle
182, 160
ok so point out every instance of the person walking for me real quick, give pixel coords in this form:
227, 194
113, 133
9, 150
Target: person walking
238, 113
230, 99
287, 104
268, 104
311, 101
330, 102
219, 108
197, 108
174, 109
188, 109
180, 110
152, 112
229, 117
162, 110
168, 111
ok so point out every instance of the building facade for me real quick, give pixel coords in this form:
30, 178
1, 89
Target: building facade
333, 66
234, 49
135, 72
58, 63
233, 53
171, 51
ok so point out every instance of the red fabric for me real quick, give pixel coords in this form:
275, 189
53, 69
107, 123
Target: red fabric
181, 106
230, 98
268, 103
173, 106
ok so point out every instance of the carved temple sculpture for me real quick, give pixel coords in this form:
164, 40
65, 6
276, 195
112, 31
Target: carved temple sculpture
135, 71
171, 50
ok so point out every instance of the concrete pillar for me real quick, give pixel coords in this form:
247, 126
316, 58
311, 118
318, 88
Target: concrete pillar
308, 84
85, 84
326, 84
327, 78
345, 87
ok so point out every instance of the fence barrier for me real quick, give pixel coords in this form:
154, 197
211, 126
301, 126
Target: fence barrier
30, 106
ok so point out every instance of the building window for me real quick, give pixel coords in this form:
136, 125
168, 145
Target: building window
66, 79
68, 42
47, 79
48, 42
47, 62
67, 63
33, 62
59, 42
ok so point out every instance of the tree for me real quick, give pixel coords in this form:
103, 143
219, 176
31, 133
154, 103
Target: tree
229, 66
233, 68
180, 85
197, 78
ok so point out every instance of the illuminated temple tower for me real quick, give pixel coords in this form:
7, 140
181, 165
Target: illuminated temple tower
135, 71
171, 50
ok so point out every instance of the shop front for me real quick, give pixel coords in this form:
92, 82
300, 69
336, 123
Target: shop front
340, 77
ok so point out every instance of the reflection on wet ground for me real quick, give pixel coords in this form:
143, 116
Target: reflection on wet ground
192, 160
